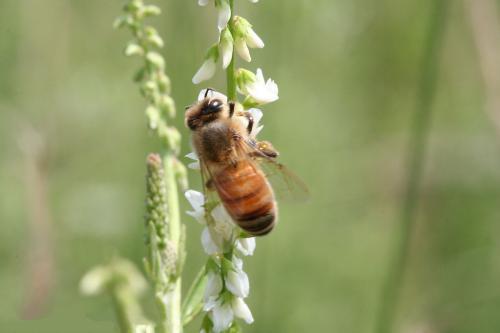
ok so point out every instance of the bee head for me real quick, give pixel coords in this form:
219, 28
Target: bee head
206, 111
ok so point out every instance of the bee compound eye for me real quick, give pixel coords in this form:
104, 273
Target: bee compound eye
215, 104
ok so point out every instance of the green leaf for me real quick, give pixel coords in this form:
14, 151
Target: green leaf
193, 303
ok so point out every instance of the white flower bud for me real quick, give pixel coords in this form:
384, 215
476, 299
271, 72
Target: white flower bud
206, 71
209, 244
226, 47
224, 14
237, 282
197, 201
241, 310
222, 317
214, 285
242, 49
246, 246
253, 40
95, 281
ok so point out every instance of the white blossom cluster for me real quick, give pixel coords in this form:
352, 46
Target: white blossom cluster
227, 283
237, 34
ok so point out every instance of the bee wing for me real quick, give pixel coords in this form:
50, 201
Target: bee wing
285, 183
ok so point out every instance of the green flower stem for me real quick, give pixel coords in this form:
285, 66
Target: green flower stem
230, 73
415, 160
173, 299
125, 309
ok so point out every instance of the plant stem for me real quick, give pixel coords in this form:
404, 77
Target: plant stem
415, 161
173, 297
230, 73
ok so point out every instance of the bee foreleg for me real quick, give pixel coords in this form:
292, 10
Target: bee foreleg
267, 148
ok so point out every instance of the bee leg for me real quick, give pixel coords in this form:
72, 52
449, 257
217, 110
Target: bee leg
232, 105
209, 184
267, 149
249, 116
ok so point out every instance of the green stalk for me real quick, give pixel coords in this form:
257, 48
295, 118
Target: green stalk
230, 73
173, 297
415, 161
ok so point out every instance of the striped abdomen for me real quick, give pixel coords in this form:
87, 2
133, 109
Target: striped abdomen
247, 197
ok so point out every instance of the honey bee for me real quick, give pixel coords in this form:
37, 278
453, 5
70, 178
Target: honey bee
232, 162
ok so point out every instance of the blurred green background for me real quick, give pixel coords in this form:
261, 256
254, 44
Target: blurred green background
73, 143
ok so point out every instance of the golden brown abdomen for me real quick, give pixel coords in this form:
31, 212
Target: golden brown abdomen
247, 197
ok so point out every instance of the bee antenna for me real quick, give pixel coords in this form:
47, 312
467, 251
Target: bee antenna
207, 91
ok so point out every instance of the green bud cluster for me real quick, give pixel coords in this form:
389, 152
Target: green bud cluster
161, 261
153, 81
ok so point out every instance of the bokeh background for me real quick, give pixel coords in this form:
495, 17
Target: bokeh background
352, 77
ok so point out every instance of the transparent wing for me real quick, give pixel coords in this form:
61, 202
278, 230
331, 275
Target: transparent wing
285, 183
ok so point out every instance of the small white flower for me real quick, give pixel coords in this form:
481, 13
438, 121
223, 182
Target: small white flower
214, 285
242, 49
203, 2
224, 225
262, 91
244, 37
95, 281
226, 47
210, 245
197, 201
237, 282
211, 94
206, 71
246, 246
196, 164
222, 316
241, 310
253, 40
224, 14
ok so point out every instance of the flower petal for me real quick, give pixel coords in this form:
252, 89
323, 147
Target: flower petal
224, 14
246, 246
214, 285
253, 40
237, 283
209, 245
206, 71
222, 317
242, 49
241, 310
